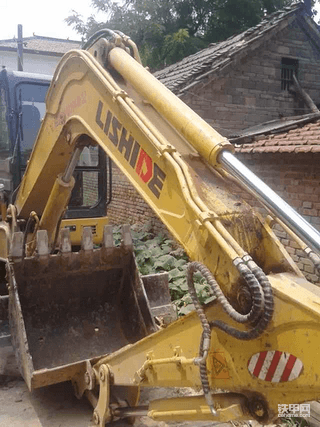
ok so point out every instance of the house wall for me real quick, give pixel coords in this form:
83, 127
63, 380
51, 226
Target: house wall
296, 178
250, 93
32, 63
128, 207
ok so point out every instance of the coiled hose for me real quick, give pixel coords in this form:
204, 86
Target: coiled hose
259, 316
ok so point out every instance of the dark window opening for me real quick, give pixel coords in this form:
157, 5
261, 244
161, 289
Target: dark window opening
4, 131
289, 66
31, 106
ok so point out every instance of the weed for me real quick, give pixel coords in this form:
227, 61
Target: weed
156, 254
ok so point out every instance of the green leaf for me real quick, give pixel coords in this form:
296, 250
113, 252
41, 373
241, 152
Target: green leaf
165, 262
176, 273
186, 309
180, 263
166, 249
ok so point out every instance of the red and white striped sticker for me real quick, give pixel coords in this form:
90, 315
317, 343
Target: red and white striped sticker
275, 366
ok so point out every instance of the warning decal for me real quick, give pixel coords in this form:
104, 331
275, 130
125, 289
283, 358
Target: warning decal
217, 366
275, 366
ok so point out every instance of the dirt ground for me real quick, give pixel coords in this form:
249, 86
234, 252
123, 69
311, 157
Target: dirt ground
54, 406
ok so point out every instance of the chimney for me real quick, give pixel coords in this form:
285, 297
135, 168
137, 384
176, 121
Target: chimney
20, 48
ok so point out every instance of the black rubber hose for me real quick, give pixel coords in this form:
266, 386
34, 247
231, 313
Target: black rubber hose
263, 321
206, 335
262, 307
253, 284
96, 36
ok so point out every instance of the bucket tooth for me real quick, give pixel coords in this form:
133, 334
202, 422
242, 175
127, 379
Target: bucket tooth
16, 251
87, 239
108, 241
126, 241
65, 241
42, 243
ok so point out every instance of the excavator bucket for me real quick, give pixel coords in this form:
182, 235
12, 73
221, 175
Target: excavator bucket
71, 307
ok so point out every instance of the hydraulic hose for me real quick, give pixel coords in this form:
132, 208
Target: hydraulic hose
206, 336
260, 314
96, 36
263, 321
253, 283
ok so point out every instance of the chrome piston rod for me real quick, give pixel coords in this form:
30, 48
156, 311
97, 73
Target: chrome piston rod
271, 200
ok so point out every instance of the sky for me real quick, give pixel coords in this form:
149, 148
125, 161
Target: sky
44, 18
41, 17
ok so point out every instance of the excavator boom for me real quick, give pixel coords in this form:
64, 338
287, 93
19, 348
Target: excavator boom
257, 341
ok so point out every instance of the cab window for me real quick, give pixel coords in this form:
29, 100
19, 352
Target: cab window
4, 131
32, 108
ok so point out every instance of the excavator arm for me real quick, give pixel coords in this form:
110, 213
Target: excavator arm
258, 340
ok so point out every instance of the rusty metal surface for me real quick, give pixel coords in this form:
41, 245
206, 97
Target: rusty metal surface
4, 300
158, 294
75, 307
157, 289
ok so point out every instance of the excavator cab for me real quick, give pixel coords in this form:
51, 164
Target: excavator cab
22, 106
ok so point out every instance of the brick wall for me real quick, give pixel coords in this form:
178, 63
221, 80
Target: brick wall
128, 207
296, 178
250, 93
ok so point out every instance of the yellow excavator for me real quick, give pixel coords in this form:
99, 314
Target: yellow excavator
79, 311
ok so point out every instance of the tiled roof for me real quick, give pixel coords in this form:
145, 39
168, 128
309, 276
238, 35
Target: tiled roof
189, 72
39, 44
303, 138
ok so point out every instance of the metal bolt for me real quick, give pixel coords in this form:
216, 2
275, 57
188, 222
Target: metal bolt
258, 409
96, 418
102, 375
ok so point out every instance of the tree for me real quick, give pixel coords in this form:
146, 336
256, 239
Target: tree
168, 30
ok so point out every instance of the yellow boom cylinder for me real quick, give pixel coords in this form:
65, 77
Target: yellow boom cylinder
198, 133
55, 206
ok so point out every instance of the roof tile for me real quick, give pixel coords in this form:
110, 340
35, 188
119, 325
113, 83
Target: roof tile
298, 140
302, 149
286, 149
42, 44
217, 55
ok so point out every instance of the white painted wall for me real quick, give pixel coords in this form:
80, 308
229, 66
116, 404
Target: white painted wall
32, 63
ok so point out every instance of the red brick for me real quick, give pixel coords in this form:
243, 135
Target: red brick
295, 203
